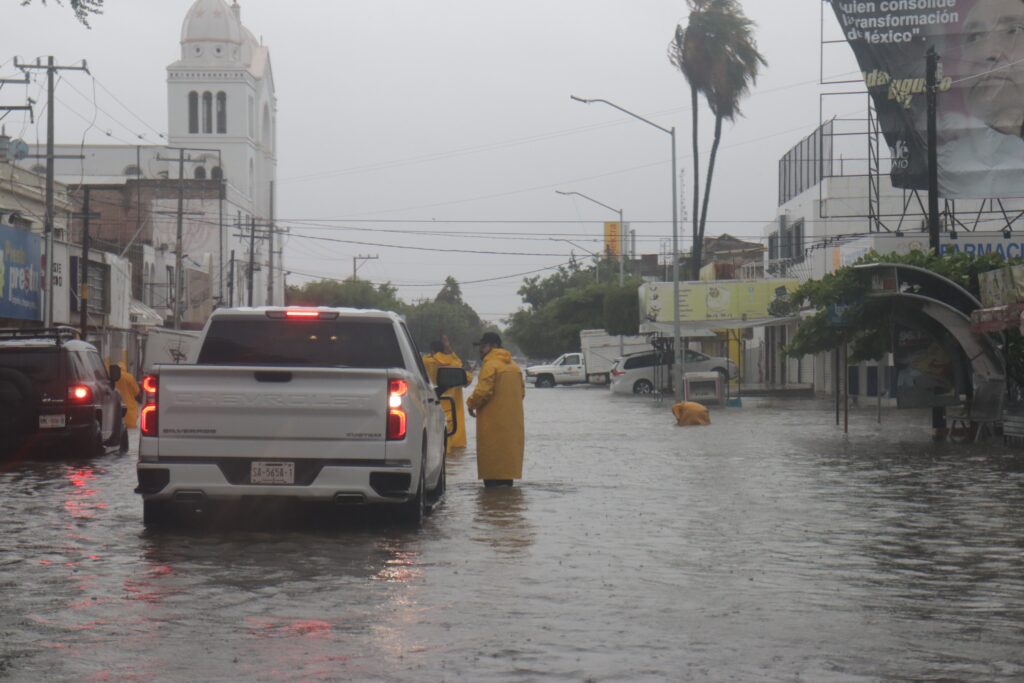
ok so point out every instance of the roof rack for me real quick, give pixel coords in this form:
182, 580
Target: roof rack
59, 333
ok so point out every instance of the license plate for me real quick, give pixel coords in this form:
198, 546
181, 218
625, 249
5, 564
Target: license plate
52, 421
272, 473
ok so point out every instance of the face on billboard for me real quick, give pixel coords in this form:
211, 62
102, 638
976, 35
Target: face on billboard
993, 40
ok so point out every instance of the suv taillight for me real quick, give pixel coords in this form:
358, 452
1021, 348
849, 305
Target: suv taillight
618, 373
397, 418
79, 393
149, 422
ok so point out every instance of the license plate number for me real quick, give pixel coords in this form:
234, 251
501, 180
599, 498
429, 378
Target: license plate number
52, 421
272, 473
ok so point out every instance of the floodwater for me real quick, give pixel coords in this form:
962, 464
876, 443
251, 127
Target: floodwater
766, 547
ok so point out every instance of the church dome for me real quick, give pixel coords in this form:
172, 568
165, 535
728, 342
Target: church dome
211, 21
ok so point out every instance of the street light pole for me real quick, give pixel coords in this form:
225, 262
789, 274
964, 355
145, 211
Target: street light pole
677, 342
621, 229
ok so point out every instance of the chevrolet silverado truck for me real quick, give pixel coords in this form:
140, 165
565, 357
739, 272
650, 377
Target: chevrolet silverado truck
307, 404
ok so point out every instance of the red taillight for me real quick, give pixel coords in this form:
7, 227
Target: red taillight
618, 373
79, 393
397, 418
148, 422
302, 315
148, 417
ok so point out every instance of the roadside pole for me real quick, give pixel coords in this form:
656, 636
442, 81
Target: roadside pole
932, 94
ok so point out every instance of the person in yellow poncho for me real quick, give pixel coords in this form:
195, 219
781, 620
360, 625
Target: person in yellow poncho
690, 414
497, 405
129, 390
442, 356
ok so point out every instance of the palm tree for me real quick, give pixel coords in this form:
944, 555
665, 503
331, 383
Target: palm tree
717, 54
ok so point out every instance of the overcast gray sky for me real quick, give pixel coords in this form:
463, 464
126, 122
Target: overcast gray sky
400, 117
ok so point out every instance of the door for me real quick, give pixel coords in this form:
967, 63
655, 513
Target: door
571, 368
107, 399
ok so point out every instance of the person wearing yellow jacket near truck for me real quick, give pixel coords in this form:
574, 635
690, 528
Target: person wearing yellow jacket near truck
497, 405
129, 390
442, 356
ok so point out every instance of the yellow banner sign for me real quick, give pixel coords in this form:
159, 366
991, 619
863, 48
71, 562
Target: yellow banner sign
613, 239
745, 300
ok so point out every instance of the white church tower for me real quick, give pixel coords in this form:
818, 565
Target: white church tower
221, 96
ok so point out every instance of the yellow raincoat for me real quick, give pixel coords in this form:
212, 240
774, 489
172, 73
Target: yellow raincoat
129, 390
498, 400
689, 414
450, 360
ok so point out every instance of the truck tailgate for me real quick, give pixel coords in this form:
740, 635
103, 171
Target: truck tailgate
292, 412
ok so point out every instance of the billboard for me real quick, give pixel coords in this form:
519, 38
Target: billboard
924, 370
722, 301
980, 84
613, 239
20, 274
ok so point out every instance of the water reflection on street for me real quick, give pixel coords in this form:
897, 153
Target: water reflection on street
765, 547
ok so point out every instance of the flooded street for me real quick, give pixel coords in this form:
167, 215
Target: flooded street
766, 547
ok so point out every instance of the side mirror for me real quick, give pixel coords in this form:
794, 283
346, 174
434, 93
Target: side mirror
115, 372
449, 378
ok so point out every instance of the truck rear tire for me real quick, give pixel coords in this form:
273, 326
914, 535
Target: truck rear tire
156, 513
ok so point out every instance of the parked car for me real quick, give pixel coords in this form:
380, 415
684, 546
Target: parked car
641, 373
329, 405
56, 396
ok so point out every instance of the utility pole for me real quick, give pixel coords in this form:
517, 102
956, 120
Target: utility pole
931, 82
356, 259
83, 268
270, 262
51, 69
931, 91
231, 281
252, 255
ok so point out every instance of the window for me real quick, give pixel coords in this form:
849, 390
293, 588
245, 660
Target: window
574, 359
416, 354
216, 173
207, 112
200, 173
222, 113
193, 112
323, 343
132, 169
648, 360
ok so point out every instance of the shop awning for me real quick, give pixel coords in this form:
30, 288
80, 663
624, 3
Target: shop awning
142, 315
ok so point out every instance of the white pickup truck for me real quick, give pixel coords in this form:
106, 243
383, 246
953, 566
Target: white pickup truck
598, 353
313, 404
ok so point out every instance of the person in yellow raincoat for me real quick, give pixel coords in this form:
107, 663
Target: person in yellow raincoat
442, 356
497, 405
129, 390
689, 414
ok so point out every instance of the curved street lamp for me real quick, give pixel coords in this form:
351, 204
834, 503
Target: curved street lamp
677, 375
622, 228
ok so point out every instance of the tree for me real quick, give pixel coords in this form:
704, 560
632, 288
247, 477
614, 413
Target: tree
350, 293
83, 8
570, 300
867, 321
447, 314
717, 54
451, 292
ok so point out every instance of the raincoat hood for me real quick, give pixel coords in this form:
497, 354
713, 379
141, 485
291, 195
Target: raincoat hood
500, 355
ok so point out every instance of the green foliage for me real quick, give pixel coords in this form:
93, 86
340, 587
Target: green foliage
867, 322
428, 320
83, 8
350, 293
570, 300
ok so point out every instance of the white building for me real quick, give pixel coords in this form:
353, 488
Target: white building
823, 224
222, 121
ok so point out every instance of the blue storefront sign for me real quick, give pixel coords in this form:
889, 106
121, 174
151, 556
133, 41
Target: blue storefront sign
980, 245
20, 274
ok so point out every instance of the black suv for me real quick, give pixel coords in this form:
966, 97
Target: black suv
56, 396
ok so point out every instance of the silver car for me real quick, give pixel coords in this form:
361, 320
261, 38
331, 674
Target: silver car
640, 373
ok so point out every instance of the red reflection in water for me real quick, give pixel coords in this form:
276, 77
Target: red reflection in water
309, 628
78, 504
